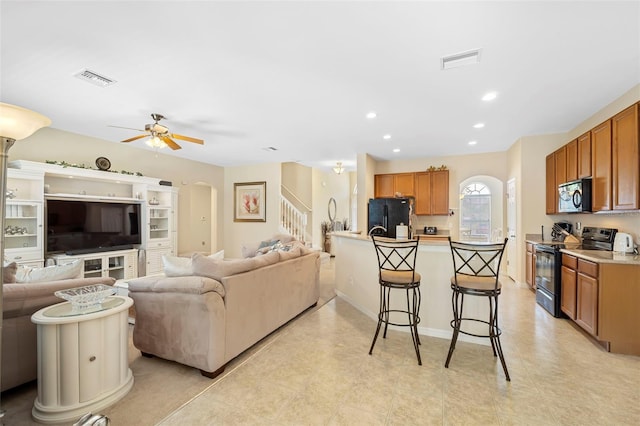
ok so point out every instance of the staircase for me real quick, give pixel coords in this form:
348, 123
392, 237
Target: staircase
292, 220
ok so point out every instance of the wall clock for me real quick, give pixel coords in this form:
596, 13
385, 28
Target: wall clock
103, 163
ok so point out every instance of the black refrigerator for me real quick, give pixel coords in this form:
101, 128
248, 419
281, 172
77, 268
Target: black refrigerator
388, 213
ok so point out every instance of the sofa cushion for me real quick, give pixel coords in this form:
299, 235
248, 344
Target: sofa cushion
186, 284
28, 274
9, 273
217, 269
183, 266
291, 253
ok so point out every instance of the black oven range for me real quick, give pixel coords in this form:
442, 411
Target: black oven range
549, 262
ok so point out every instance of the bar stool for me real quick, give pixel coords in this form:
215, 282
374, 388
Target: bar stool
397, 270
476, 269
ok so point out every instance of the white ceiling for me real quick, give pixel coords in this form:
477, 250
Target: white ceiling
300, 76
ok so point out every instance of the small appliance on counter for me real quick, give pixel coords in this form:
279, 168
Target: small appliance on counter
430, 230
623, 243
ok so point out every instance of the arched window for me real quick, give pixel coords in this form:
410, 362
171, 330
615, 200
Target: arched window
475, 212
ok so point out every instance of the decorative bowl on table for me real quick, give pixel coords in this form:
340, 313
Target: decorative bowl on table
87, 296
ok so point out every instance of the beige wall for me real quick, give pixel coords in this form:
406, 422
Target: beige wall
58, 145
238, 233
327, 185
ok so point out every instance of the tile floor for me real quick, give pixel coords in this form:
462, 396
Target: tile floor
317, 370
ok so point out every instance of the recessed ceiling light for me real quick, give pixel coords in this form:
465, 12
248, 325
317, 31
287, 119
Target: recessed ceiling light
478, 125
396, 150
386, 137
472, 142
490, 96
371, 115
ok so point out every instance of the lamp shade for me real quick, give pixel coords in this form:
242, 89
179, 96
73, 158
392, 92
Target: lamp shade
18, 123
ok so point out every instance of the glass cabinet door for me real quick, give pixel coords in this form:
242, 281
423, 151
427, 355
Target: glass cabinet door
23, 229
159, 223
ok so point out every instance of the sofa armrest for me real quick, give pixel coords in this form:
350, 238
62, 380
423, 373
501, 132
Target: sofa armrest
187, 285
27, 298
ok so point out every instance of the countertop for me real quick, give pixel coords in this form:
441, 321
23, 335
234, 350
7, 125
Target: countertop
424, 238
598, 256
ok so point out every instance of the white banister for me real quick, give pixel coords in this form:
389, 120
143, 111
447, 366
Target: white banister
292, 220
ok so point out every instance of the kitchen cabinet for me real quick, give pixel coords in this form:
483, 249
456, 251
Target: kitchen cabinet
530, 266
584, 155
601, 167
572, 160
388, 185
432, 193
568, 287
551, 187
587, 296
560, 159
603, 299
625, 160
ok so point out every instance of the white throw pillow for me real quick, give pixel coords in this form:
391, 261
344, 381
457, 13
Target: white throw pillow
183, 266
27, 274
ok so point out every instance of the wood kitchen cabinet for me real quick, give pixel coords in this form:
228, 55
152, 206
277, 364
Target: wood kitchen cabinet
584, 155
560, 158
388, 185
551, 187
625, 160
530, 266
587, 296
571, 150
601, 167
432, 193
568, 287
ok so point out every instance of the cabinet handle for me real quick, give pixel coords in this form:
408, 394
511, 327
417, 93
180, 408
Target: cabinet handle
18, 257
93, 358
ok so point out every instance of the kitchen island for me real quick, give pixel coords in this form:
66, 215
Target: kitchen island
356, 278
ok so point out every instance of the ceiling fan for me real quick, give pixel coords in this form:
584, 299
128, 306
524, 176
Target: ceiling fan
160, 135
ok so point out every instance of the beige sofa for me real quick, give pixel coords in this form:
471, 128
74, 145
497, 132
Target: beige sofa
19, 336
207, 319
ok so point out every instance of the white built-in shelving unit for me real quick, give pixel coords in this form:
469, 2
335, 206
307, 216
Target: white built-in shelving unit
34, 182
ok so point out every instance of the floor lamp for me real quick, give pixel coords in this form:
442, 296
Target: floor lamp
15, 123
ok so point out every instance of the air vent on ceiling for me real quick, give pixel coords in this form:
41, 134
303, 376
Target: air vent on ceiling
270, 148
94, 78
469, 57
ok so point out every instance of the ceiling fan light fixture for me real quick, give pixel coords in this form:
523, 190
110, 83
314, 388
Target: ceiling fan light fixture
155, 142
338, 169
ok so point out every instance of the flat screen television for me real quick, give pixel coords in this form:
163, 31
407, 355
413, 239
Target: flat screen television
81, 226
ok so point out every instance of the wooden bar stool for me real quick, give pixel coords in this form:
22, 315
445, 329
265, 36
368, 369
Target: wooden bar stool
396, 270
476, 269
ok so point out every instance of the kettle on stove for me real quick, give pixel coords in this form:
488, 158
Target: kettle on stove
623, 243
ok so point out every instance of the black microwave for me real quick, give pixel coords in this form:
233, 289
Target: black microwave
575, 196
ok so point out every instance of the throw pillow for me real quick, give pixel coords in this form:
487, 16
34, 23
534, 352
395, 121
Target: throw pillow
27, 274
9, 273
183, 266
284, 238
289, 254
177, 266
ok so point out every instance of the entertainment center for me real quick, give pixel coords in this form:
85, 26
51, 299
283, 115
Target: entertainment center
119, 225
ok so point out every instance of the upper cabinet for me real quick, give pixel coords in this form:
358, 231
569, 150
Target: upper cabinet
390, 185
572, 160
601, 167
626, 160
432, 193
551, 187
430, 189
584, 155
610, 155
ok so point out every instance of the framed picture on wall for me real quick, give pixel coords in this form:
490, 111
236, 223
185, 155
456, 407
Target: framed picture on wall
250, 202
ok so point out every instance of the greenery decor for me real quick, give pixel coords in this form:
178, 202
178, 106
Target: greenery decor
84, 166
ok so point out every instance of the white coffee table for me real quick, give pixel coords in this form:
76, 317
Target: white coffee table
82, 359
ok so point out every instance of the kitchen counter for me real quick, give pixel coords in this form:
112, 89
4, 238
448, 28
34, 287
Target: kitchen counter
604, 256
437, 239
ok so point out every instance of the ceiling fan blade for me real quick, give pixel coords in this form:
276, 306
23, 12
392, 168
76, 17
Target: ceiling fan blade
135, 138
128, 128
170, 143
187, 138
